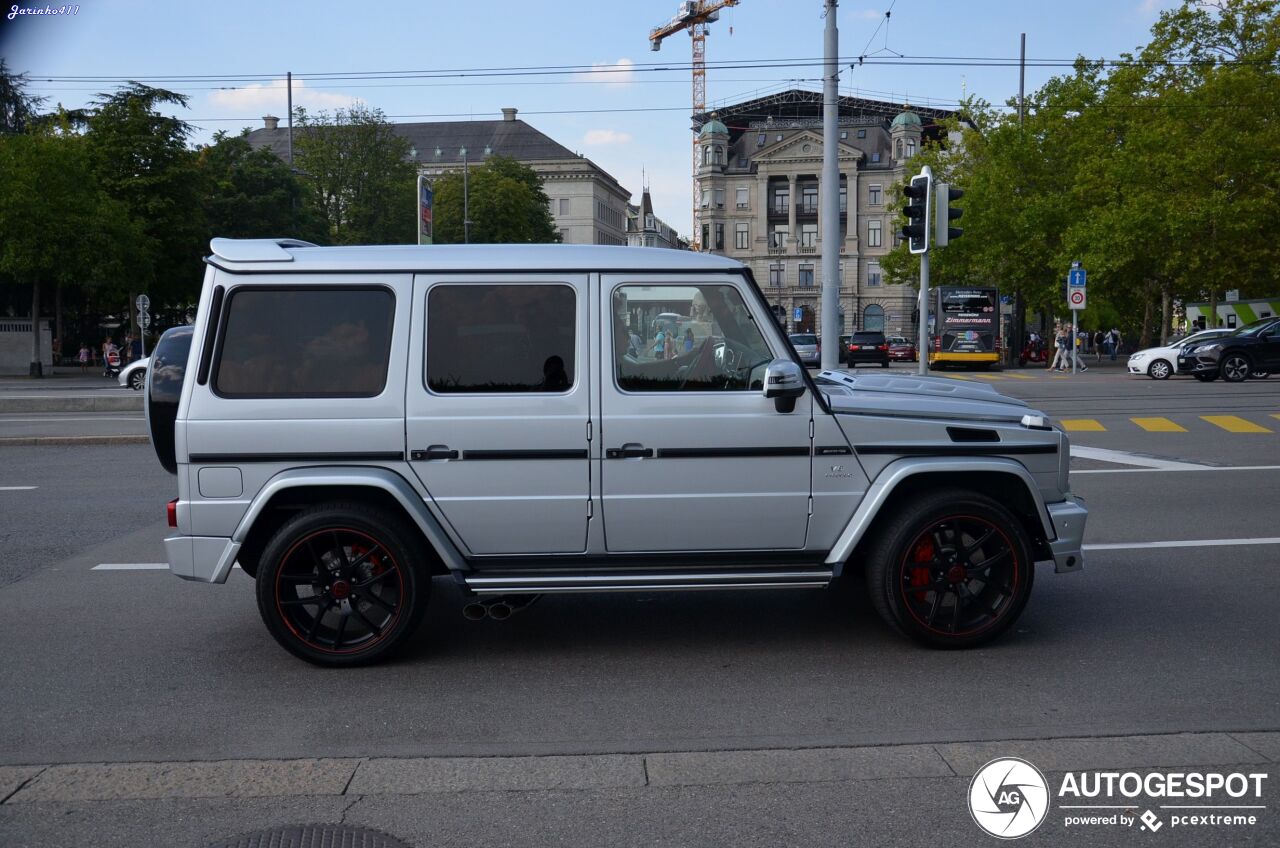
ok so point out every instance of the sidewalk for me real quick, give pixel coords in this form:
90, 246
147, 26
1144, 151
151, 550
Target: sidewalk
67, 390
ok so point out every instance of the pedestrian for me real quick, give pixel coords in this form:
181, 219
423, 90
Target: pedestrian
83, 357
1060, 350
688, 339
1098, 341
57, 352
1076, 348
1117, 342
106, 349
659, 344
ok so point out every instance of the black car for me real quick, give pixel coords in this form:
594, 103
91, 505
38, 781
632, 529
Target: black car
1252, 351
867, 347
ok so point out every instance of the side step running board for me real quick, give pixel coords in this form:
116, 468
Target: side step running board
507, 584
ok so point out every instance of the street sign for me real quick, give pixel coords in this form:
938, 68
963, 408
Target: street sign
1076, 277
143, 303
1233, 295
798, 314
144, 318
1076, 298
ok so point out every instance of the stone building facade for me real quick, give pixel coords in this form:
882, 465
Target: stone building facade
760, 167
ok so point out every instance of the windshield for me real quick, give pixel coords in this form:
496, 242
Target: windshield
1255, 328
804, 340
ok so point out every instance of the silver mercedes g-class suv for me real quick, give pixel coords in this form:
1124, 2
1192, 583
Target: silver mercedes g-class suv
347, 423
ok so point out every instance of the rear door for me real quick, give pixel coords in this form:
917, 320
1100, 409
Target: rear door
497, 408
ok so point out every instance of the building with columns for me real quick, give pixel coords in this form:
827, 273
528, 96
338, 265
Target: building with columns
760, 168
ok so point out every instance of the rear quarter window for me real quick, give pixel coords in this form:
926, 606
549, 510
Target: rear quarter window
304, 342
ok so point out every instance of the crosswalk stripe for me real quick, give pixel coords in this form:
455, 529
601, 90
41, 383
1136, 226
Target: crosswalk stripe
1158, 425
1275, 415
1235, 424
1082, 425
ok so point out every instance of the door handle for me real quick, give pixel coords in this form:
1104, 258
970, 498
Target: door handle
629, 452
433, 452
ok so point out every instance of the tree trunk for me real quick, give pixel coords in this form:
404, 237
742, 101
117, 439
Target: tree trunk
1147, 316
1211, 320
1166, 308
37, 369
57, 322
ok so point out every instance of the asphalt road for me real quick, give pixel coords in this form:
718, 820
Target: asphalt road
123, 666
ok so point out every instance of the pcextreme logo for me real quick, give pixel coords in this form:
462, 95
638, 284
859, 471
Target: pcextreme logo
1009, 798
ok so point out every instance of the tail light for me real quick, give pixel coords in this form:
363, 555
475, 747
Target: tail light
883, 347
172, 512
937, 344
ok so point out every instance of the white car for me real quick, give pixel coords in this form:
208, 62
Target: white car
134, 375
1160, 363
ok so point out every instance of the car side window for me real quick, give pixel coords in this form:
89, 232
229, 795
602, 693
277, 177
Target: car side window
486, 338
686, 338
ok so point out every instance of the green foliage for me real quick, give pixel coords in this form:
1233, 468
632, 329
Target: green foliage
252, 194
506, 202
358, 176
17, 108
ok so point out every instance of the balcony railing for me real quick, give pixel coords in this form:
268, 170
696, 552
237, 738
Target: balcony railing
807, 248
779, 208
808, 208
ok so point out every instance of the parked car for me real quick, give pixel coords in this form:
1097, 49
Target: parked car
808, 348
1160, 363
867, 347
901, 350
1250, 352
345, 457
134, 375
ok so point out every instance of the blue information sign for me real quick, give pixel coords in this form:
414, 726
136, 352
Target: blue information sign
1076, 277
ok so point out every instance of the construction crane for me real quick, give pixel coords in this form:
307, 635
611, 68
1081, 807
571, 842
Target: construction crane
695, 16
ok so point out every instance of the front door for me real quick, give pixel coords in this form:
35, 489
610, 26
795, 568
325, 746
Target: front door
695, 458
497, 412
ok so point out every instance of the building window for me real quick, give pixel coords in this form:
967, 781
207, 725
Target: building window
806, 275
873, 319
844, 135
808, 235
911, 147
874, 196
719, 236
778, 238
776, 273
706, 236
873, 234
844, 199
809, 199
564, 206
778, 137
718, 153
719, 198
741, 236
564, 236
897, 147
761, 139
706, 198
649, 223
873, 274
781, 199
862, 133
706, 154
532, 350
875, 157
743, 198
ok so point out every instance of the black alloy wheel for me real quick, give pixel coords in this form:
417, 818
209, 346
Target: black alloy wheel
953, 571
1236, 367
341, 585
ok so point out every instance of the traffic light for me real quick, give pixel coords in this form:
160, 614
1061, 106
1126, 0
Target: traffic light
916, 230
943, 231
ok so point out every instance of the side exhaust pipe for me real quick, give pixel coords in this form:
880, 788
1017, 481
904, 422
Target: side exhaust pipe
499, 609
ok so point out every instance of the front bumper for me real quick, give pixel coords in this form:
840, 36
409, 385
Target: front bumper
1198, 364
1139, 367
205, 559
1068, 519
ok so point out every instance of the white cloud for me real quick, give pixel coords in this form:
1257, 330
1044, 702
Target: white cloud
598, 137
1151, 7
868, 15
273, 97
620, 72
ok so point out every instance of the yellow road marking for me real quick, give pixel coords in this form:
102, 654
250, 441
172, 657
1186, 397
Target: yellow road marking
956, 377
1275, 415
1020, 376
1082, 425
1158, 425
989, 376
1235, 424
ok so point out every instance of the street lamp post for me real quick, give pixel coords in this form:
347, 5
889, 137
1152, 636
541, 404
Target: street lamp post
466, 200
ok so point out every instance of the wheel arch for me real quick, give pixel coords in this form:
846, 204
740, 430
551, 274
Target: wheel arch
1004, 480
291, 491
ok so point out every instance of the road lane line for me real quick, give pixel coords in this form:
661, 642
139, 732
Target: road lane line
1127, 458
1158, 425
17, 488
1082, 425
1075, 471
1235, 424
1189, 543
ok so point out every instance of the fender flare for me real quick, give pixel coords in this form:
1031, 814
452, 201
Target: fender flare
899, 470
351, 477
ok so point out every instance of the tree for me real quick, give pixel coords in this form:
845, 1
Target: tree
59, 226
358, 175
505, 201
252, 194
17, 108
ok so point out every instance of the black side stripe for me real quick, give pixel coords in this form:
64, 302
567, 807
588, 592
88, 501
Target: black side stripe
525, 454
954, 450
718, 453
244, 458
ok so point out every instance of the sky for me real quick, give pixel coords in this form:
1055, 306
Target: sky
595, 86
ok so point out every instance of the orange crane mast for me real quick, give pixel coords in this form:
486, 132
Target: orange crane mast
695, 16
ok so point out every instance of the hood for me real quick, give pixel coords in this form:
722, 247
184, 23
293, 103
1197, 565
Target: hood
917, 397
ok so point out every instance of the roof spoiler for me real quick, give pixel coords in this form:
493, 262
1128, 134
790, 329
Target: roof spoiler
256, 250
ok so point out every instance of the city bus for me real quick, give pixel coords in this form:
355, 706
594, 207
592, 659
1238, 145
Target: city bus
965, 326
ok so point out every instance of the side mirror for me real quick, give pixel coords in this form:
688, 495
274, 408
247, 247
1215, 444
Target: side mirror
784, 382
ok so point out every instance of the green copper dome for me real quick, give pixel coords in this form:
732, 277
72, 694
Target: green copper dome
906, 119
713, 126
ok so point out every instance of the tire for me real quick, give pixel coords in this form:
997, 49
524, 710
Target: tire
138, 379
1259, 375
1206, 378
884, 364
364, 568
1235, 367
1159, 370
970, 556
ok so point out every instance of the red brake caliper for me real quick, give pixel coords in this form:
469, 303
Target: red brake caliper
920, 575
